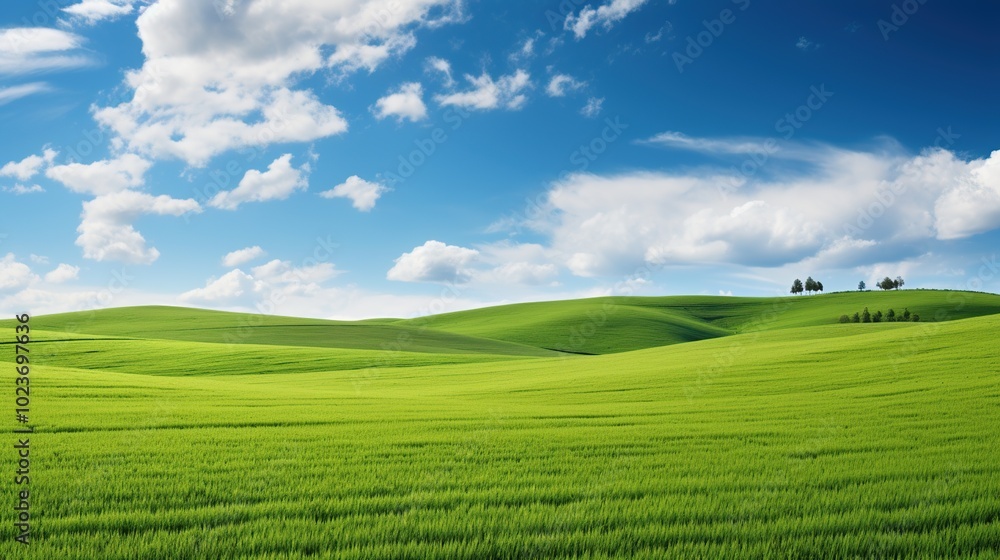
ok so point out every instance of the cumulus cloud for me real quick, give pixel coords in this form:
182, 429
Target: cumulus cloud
102, 177
406, 103
279, 182
63, 273
606, 16
845, 208
363, 194
561, 83
434, 262
443, 67
90, 12
223, 76
507, 92
234, 286
510, 263
15, 275
274, 281
971, 204
30, 50
106, 231
243, 256
29, 166
283, 273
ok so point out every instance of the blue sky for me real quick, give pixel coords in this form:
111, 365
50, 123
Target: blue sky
402, 157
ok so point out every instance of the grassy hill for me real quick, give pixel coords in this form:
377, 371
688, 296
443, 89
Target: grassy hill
620, 324
783, 441
588, 326
199, 325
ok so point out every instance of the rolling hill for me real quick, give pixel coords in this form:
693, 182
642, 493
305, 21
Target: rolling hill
781, 440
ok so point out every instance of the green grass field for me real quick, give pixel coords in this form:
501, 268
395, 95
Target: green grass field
700, 427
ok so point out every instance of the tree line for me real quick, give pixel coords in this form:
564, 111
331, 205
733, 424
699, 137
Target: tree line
890, 317
810, 286
885, 284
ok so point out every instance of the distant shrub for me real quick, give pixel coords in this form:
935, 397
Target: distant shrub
916, 318
855, 318
845, 319
866, 317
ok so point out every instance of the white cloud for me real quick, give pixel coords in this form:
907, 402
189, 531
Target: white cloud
844, 209
279, 182
678, 140
506, 92
442, 66
593, 107
606, 15
561, 83
363, 194
29, 166
404, 103
38, 259
29, 50
521, 273
102, 177
971, 203
804, 45
274, 281
13, 93
665, 30
278, 272
242, 256
434, 262
526, 50
15, 275
63, 273
223, 76
94, 11
234, 286
20, 189
516, 264
106, 232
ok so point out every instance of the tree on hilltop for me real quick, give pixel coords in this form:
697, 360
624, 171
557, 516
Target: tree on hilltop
797, 286
861, 286
810, 285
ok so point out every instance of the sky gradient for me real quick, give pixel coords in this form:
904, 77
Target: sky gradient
402, 157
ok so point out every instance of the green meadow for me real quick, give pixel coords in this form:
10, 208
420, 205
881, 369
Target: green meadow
669, 427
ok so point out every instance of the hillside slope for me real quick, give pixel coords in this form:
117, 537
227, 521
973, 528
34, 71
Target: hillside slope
619, 324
